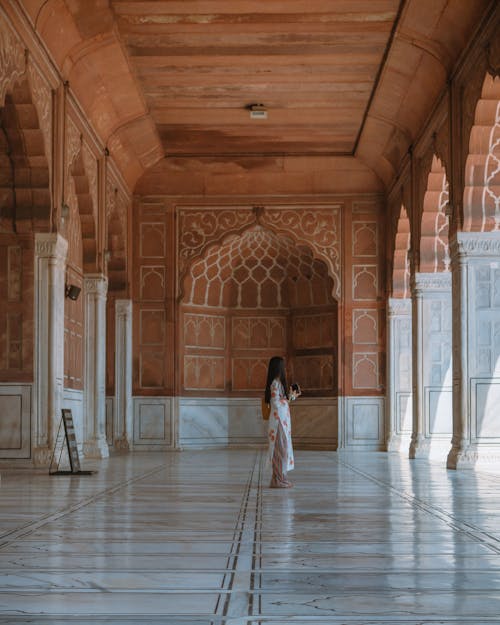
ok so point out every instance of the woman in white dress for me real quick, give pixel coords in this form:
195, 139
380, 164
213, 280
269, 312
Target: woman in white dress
280, 429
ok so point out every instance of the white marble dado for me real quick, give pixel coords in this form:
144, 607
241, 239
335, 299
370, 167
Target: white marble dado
362, 423
73, 400
399, 383
15, 421
476, 345
219, 422
153, 427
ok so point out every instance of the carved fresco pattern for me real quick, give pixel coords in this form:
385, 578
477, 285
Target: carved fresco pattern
200, 228
90, 166
441, 246
152, 281
204, 373
365, 238
249, 373
12, 60
42, 99
365, 371
364, 282
208, 331
320, 228
365, 327
491, 193
257, 270
258, 332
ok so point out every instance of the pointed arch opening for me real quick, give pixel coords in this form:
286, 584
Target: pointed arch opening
434, 244
482, 167
252, 296
401, 262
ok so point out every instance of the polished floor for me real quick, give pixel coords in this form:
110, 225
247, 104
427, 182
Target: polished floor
198, 538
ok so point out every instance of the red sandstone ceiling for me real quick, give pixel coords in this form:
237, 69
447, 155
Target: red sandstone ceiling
312, 63
174, 77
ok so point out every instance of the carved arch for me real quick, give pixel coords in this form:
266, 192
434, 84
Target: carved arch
434, 247
401, 263
25, 200
83, 194
482, 167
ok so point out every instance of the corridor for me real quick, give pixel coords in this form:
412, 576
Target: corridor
198, 538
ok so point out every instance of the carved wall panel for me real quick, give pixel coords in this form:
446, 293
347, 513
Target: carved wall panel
16, 309
249, 373
487, 319
259, 333
204, 373
316, 373
12, 59
153, 290
314, 331
204, 331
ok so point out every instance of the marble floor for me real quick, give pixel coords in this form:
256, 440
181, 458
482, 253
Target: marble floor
197, 538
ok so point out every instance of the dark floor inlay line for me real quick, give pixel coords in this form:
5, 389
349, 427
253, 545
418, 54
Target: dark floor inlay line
20, 532
472, 531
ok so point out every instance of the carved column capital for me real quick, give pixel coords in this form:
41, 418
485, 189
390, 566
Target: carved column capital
51, 246
431, 282
95, 283
123, 307
399, 306
475, 245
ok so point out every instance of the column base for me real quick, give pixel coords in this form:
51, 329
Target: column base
466, 456
398, 443
42, 456
95, 448
420, 447
121, 445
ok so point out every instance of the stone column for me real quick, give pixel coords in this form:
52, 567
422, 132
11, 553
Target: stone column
399, 425
123, 434
432, 371
95, 288
476, 349
50, 258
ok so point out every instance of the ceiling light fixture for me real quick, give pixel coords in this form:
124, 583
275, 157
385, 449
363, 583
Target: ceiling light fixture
257, 111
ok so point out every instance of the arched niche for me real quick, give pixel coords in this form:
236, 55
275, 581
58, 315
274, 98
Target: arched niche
401, 262
248, 298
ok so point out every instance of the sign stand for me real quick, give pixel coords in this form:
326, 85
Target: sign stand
69, 452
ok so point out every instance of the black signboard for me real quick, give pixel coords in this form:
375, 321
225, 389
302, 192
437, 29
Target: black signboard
66, 433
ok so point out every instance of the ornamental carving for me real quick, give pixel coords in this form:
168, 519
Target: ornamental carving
200, 228
90, 166
42, 99
123, 307
51, 245
476, 244
320, 228
399, 306
432, 282
12, 60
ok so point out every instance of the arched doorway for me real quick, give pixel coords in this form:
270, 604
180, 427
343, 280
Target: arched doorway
252, 296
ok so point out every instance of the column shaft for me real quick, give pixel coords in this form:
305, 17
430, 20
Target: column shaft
123, 434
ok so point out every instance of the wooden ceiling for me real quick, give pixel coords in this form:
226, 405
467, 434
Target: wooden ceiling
314, 64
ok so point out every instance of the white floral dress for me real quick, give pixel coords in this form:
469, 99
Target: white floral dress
280, 418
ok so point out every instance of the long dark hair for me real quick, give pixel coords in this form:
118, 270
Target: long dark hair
276, 369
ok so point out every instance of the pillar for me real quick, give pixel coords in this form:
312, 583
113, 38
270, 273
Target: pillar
95, 288
123, 375
50, 259
476, 349
432, 371
399, 425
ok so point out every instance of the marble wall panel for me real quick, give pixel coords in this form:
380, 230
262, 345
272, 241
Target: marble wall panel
485, 403
220, 421
15, 421
363, 425
153, 423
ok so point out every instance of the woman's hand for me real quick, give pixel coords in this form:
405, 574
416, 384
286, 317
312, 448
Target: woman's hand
294, 392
